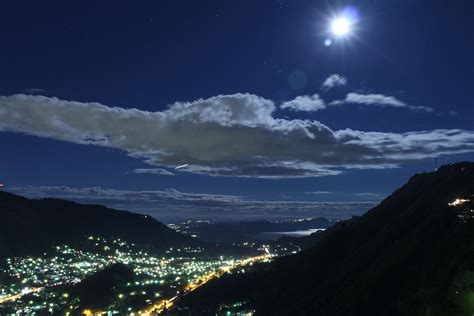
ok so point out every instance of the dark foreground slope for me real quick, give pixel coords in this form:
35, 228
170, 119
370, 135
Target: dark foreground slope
102, 288
32, 226
411, 255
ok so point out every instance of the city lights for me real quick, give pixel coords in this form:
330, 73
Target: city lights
160, 279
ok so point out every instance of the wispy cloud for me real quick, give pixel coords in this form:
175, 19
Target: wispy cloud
305, 103
379, 100
318, 192
369, 195
227, 135
159, 171
35, 90
332, 81
348, 196
172, 205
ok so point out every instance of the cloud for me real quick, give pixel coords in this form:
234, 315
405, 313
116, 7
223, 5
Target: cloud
379, 100
35, 90
369, 194
305, 103
159, 171
267, 170
319, 192
226, 135
349, 196
332, 81
172, 205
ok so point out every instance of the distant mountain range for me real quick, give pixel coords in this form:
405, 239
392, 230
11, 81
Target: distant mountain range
29, 226
413, 254
249, 230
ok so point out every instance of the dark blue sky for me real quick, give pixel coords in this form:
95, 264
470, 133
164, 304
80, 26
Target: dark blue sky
150, 54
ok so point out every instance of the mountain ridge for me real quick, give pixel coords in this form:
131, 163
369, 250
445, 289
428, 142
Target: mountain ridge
406, 256
30, 226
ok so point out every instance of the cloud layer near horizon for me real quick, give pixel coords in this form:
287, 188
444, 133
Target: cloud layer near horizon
171, 205
226, 135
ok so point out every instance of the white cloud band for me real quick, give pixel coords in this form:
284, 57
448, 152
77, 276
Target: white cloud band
226, 135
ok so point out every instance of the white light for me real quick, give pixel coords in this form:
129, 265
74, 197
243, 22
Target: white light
340, 26
180, 167
458, 202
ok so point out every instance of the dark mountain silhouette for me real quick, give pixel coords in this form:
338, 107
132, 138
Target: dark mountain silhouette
413, 254
29, 226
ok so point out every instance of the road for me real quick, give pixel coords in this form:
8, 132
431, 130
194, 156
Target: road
166, 304
19, 295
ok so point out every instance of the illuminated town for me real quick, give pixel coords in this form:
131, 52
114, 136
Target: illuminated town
39, 284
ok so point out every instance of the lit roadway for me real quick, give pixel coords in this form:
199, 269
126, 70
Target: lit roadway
19, 295
166, 304
28, 291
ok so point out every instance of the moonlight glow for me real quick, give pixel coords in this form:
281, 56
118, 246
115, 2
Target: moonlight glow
340, 26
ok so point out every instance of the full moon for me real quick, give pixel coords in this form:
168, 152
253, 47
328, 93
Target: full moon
340, 26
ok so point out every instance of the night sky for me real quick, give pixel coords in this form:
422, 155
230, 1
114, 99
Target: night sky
100, 101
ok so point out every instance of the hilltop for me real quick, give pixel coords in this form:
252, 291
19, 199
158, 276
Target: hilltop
31, 226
